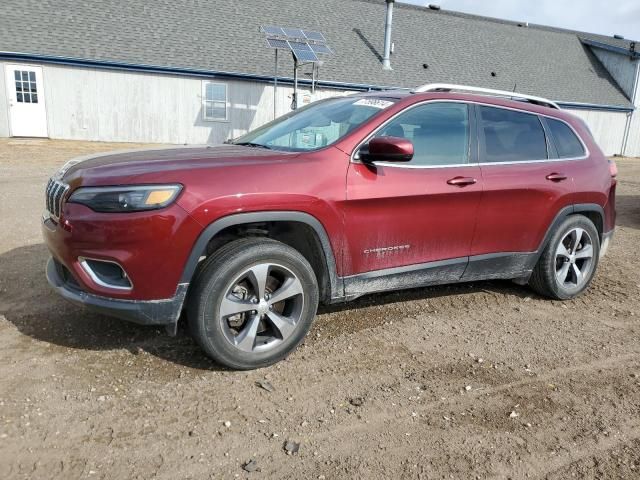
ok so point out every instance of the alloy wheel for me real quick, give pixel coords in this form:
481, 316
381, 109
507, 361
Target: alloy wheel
261, 307
574, 258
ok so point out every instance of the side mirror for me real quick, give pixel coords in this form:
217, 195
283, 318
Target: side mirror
387, 149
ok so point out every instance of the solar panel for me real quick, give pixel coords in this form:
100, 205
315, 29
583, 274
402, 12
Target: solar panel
303, 51
316, 36
277, 43
302, 46
293, 32
306, 56
305, 44
321, 48
273, 30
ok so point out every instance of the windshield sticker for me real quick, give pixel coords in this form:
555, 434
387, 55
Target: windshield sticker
374, 102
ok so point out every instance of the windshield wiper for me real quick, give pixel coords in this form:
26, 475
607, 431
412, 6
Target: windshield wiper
253, 145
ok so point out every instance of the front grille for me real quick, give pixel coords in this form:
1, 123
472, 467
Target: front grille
54, 196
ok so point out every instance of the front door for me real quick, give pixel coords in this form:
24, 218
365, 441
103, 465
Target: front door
27, 112
419, 214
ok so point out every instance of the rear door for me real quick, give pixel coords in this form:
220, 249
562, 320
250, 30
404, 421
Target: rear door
525, 185
401, 214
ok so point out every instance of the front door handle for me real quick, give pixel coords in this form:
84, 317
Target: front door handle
556, 177
461, 181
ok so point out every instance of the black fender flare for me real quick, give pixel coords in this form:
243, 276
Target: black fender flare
560, 217
199, 248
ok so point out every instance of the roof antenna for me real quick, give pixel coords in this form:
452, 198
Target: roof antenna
514, 87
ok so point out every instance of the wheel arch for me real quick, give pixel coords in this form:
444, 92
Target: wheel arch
592, 211
330, 284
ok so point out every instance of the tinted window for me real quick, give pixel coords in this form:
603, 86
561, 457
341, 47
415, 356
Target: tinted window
566, 142
439, 133
512, 136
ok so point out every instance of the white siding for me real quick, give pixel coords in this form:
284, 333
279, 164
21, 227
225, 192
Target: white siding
621, 67
607, 128
633, 143
103, 105
624, 70
94, 104
4, 104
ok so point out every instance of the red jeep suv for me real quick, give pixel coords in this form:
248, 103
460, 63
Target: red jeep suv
345, 197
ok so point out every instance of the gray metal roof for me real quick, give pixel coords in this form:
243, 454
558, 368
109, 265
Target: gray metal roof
224, 36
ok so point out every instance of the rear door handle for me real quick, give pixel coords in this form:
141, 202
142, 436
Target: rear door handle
461, 181
556, 177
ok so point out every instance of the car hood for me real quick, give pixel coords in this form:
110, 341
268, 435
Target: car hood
124, 167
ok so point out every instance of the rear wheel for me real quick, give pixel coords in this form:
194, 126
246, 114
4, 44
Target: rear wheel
568, 263
252, 303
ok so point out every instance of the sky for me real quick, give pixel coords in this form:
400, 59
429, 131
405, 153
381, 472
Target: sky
607, 17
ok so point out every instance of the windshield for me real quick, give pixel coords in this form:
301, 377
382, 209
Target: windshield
315, 126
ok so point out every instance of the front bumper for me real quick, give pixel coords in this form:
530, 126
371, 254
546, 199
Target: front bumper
143, 312
151, 248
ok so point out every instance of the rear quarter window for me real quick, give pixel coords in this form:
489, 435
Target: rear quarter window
567, 143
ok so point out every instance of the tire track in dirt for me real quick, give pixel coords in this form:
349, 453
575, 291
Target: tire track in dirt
619, 460
438, 425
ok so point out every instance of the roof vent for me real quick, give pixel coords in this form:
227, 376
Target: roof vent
618, 37
433, 6
388, 45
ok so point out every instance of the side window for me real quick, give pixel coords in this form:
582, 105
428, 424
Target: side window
512, 136
565, 140
439, 133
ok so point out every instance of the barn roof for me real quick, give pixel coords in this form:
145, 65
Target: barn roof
223, 36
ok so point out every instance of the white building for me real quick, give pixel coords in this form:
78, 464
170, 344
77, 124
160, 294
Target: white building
201, 72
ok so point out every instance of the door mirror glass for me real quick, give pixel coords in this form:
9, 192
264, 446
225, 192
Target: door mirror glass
387, 149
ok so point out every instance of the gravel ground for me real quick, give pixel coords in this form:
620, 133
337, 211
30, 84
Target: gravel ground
482, 380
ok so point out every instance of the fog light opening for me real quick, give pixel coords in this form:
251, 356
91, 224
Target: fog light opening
106, 273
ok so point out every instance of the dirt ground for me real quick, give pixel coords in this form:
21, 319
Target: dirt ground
482, 380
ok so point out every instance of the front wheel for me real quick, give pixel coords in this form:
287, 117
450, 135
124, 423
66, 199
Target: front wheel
567, 265
252, 303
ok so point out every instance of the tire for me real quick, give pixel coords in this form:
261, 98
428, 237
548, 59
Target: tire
263, 330
566, 261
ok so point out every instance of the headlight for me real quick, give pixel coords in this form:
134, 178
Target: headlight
126, 198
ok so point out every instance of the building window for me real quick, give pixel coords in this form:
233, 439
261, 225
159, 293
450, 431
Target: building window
214, 101
26, 90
